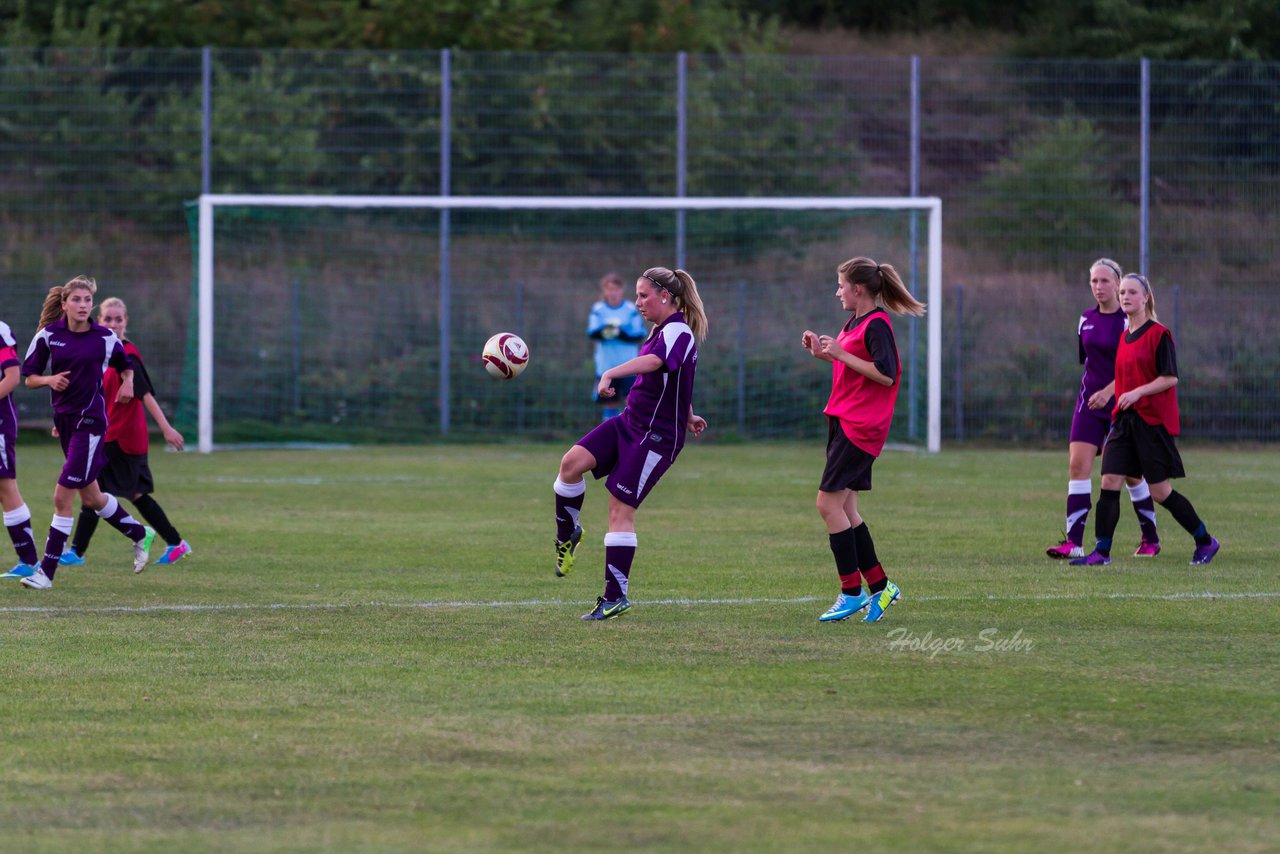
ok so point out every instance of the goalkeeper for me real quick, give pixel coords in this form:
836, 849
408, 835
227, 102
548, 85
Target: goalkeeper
617, 328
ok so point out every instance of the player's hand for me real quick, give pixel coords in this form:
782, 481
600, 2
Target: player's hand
809, 341
611, 331
604, 388
59, 381
696, 425
1128, 399
829, 346
1097, 401
174, 439
126, 392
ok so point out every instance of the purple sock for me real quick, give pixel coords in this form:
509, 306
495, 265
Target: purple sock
59, 531
569, 498
1079, 502
619, 551
117, 517
18, 521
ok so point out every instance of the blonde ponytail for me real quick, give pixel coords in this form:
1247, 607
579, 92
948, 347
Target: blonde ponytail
883, 283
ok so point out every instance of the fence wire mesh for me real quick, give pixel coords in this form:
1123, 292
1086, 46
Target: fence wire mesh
1039, 165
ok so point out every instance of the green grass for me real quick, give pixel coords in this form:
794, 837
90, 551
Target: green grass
359, 690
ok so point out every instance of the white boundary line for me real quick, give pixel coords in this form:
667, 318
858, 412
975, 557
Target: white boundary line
533, 603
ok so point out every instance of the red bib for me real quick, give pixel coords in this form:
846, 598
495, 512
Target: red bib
1136, 366
864, 407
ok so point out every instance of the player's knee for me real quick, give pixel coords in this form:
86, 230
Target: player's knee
828, 504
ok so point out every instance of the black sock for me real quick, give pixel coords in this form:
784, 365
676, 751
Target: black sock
85, 526
154, 514
844, 546
1185, 515
1106, 515
866, 548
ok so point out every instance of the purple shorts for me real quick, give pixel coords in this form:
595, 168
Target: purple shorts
84, 449
1090, 425
8, 455
633, 462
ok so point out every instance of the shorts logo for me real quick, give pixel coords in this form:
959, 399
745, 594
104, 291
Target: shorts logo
622, 488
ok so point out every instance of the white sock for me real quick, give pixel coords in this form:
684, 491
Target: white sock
569, 490
17, 516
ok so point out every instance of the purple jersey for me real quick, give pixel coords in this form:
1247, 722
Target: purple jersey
1099, 336
659, 402
86, 355
8, 412
8, 359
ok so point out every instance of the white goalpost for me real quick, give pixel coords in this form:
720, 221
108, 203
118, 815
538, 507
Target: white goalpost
206, 267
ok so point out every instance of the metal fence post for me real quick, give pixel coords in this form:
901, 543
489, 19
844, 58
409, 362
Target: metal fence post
446, 108
682, 147
913, 404
957, 378
206, 120
295, 344
742, 359
1144, 170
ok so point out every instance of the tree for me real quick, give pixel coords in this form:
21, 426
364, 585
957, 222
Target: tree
1052, 196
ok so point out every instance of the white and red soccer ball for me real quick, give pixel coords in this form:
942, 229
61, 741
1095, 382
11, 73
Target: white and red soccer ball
506, 356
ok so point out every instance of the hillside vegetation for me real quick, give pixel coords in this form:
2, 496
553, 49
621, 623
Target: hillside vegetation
1104, 29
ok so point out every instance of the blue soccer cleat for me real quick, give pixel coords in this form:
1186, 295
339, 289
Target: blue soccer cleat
22, 570
173, 554
845, 607
1093, 558
607, 609
880, 602
70, 558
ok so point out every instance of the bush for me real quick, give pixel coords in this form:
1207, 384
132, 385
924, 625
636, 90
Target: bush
1052, 196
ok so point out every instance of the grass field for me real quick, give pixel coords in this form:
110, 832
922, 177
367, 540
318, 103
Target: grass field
368, 651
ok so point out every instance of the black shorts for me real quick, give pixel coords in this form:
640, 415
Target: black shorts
125, 475
848, 466
1137, 449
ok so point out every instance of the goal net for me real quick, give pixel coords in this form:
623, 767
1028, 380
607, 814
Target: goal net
362, 318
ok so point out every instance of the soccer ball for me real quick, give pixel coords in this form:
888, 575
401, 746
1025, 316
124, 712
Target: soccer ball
506, 356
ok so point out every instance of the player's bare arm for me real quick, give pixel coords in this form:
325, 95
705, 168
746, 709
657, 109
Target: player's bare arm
696, 423
1157, 385
646, 364
832, 349
57, 382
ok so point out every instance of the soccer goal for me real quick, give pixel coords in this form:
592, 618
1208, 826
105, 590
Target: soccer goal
361, 318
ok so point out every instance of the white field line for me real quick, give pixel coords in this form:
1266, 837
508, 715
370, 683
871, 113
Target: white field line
534, 603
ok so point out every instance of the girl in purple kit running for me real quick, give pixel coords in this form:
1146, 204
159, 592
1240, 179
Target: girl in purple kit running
1099, 331
634, 449
77, 352
17, 517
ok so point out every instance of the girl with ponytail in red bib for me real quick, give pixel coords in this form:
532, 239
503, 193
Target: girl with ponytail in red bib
865, 374
1144, 423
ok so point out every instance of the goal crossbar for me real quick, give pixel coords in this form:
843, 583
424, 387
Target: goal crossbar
205, 266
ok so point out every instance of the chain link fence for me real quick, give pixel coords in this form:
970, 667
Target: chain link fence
1043, 166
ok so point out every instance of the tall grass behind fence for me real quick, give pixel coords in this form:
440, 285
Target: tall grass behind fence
1039, 165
